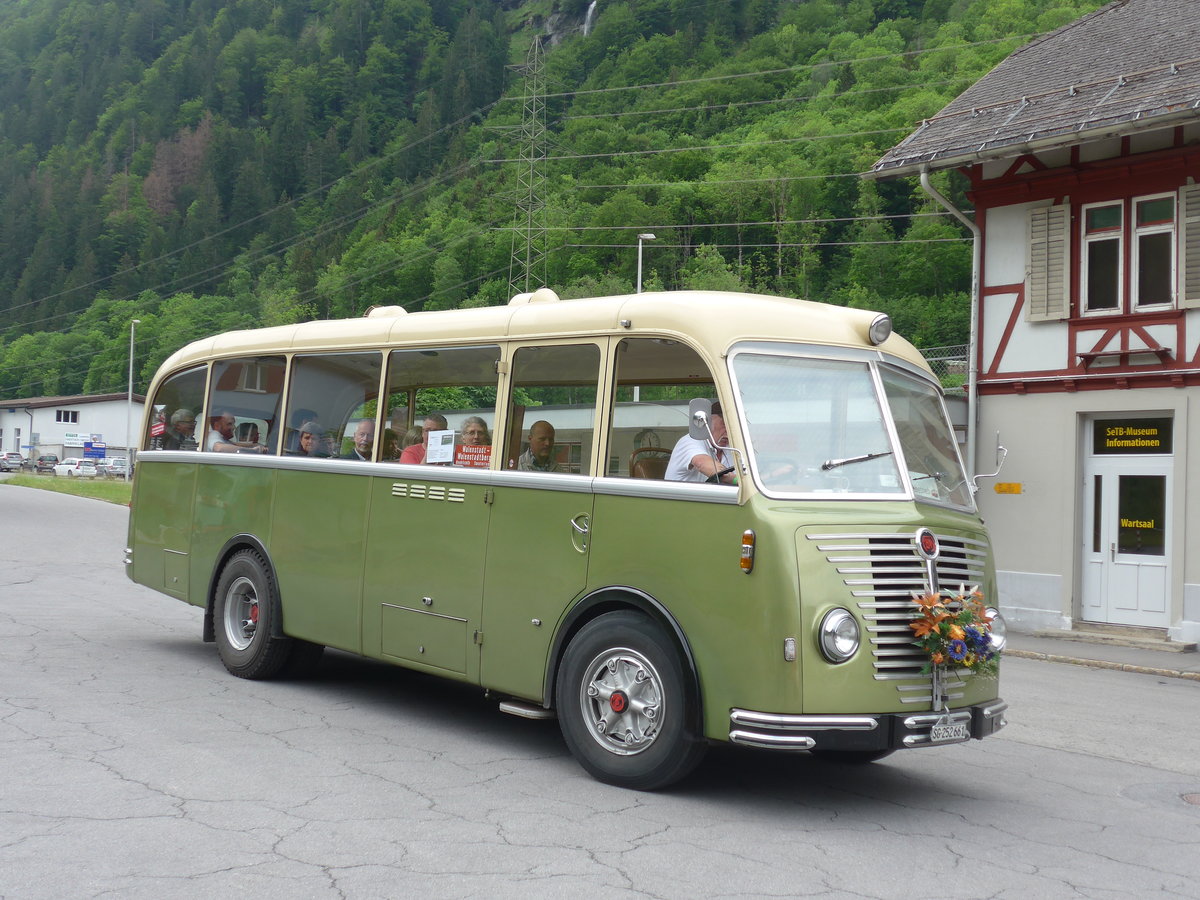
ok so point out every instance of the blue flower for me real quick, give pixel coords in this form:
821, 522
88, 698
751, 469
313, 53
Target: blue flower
957, 650
977, 639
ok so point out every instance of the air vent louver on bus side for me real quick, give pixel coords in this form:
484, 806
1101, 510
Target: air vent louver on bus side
884, 573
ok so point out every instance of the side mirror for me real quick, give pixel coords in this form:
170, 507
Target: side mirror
1001, 456
699, 416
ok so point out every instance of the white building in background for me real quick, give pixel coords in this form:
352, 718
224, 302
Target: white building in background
94, 425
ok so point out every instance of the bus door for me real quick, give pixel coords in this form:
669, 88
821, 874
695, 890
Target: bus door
429, 521
541, 527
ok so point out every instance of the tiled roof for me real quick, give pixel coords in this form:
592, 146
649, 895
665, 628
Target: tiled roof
1129, 66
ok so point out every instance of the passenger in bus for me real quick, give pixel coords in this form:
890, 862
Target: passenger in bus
539, 457
415, 453
299, 417
364, 442
475, 432
699, 460
310, 441
181, 432
221, 438
392, 444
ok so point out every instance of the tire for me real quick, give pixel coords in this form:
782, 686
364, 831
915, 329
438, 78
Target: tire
851, 757
624, 704
244, 611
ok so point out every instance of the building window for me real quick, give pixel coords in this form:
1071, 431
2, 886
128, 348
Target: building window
1147, 224
67, 416
1154, 251
1102, 232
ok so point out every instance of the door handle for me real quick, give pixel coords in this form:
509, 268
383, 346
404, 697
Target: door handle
1112, 551
580, 528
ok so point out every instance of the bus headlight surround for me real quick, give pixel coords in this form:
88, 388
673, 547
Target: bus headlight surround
838, 636
999, 630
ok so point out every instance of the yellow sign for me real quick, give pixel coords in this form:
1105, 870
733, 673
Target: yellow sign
1008, 487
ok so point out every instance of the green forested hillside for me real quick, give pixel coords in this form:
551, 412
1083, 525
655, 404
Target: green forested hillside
209, 165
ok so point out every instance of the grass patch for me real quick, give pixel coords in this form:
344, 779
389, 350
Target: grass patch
112, 490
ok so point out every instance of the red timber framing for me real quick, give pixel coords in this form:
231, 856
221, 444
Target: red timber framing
1102, 352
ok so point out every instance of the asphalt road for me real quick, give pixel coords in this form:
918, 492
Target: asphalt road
133, 766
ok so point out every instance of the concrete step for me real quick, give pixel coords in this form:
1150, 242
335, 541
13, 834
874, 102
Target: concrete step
1117, 636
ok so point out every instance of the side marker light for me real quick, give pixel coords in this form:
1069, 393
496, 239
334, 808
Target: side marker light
747, 560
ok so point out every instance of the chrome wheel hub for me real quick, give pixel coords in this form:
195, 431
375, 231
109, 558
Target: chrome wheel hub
622, 701
241, 613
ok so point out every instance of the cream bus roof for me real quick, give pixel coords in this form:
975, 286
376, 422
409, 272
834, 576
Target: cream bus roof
712, 320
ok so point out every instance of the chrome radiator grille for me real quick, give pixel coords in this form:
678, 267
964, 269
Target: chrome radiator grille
883, 573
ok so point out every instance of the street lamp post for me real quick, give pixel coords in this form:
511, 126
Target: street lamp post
133, 324
641, 237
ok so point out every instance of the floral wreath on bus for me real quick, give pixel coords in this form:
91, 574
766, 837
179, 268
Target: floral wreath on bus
955, 630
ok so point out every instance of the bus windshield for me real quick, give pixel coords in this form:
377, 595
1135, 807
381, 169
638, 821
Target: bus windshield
818, 426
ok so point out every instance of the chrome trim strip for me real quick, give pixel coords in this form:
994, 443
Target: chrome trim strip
929, 719
541, 481
803, 723
994, 709
666, 490
770, 741
423, 612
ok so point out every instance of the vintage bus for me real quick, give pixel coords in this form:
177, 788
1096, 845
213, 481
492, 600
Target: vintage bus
490, 495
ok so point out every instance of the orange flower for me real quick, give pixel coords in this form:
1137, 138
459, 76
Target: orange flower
928, 625
937, 658
956, 633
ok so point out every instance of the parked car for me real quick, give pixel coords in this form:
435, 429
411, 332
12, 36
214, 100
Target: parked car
112, 466
46, 463
76, 467
11, 462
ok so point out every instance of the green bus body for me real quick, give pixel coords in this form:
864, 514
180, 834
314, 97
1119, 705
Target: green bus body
488, 575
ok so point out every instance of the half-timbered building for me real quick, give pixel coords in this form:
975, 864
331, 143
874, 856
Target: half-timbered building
1082, 150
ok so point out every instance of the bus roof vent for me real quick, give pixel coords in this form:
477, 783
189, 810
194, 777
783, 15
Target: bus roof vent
541, 295
385, 312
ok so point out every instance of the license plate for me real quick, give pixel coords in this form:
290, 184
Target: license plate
954, 731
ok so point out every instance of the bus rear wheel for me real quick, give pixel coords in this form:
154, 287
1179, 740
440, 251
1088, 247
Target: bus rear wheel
623, 704
244, 610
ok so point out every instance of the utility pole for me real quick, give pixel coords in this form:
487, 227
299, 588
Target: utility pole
527, 268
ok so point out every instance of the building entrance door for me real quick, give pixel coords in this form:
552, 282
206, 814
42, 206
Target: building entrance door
1126, 510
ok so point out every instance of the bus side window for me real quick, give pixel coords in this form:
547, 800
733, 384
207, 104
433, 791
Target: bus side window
244, 391
331, 406
552, 416
453, 402
175, 412
655, 379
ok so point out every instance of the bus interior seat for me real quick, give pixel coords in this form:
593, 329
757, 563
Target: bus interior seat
649, 462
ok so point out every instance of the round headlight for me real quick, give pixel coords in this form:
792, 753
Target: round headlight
999, 635
838, 635
880, 329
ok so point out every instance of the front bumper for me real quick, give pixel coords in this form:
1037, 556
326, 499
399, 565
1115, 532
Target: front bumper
882, 731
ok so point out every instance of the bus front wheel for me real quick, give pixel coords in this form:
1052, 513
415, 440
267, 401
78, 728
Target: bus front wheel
246, 604
623, 704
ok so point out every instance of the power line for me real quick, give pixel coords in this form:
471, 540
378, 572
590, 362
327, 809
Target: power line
660, 150
734, 104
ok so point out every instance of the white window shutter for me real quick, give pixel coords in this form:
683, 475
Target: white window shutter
1046, 281
1189, 244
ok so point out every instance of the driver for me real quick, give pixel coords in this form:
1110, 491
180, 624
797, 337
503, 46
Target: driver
696, 460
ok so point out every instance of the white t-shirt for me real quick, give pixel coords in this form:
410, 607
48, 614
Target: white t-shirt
679, 468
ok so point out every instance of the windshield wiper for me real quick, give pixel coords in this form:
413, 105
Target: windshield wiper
836, 463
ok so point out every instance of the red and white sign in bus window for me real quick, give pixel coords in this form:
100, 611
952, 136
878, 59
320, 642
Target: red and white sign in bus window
475, 457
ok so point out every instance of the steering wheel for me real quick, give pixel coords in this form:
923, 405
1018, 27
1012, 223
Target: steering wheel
716, 477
